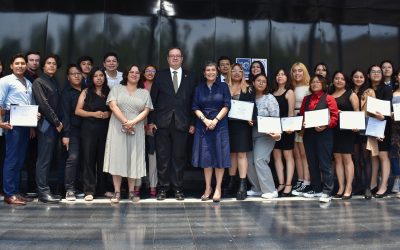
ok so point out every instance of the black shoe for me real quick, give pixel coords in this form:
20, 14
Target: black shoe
347, 197
49, 198
368, 194
161, 195
32, 195
381, 195
374, 190
230, 189
338, 196
242, 192
179, 195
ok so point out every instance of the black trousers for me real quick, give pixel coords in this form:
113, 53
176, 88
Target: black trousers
47, 146
319, 147
93, 142
30, 164
72, 161
171, 148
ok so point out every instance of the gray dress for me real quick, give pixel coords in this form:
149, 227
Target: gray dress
125, 153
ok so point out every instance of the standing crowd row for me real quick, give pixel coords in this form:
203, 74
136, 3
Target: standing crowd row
113, 124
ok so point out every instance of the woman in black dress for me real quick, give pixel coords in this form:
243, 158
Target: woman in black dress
343, 144
382, 92
240, 132
286, 100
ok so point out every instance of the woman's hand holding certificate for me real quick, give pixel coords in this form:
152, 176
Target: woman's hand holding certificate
241, 110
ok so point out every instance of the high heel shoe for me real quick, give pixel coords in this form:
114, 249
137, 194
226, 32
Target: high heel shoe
338, 196
206, 197
347, 197
217, 198
374, 190
381, 195
279, 189
287, 194
229, 189
368, 194
242, 192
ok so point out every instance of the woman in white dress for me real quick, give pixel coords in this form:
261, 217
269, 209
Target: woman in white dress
130, 104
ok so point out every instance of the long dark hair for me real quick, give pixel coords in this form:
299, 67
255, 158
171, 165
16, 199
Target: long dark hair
288, 84
346, 79
91, 89
251, 76
266, 90
323, 81
140, 84
369, 73
366, 85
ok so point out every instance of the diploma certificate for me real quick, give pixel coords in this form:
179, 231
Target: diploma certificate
316, 118
352, 120
294, 123
241, 110
375, 105
376, 127
269, 124
24, 115
396, 111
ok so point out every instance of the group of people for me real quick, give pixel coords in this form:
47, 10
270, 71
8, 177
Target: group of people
137, 123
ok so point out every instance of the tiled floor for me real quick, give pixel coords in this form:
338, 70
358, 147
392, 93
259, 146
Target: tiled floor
253, 224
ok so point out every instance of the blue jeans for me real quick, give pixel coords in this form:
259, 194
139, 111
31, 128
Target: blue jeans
16, 145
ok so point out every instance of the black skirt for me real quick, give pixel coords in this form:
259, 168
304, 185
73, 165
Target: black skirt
240, 137
286, 142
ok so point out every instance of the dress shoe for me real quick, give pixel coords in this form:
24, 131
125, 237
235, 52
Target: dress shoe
374, 190
338, 196
162, 195
49, 198
179, 195
217, 196
368, 194
378, 196
347, 197
14, 200
206, 197
287, 194
24, 198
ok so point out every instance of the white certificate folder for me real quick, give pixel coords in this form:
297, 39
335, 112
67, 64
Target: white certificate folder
294, 123
241, 110
352, 120
316, 118
376, 127
24, 115
375, 105
269, 124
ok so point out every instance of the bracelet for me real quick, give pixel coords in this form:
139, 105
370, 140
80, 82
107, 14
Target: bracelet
217, 119
202, 117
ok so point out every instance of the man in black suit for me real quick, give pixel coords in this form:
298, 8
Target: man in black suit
172, 120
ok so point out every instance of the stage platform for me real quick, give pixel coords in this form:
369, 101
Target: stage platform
289, 223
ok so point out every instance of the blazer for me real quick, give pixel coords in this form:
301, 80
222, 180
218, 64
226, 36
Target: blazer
168, 104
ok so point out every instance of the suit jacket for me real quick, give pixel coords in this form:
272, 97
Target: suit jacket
167, 103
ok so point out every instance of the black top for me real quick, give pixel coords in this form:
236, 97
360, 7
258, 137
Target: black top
283, 104
48, 96
343, 102
69, 99
93, 103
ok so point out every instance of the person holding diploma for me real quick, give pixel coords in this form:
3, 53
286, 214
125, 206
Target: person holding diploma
318, 141
362, 156
343, 146
240, 137
95, 115
14, 89
382, 92
259, 173
286, 100
300, 83
211, 103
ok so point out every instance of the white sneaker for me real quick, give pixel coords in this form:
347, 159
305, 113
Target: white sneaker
326, 198
251, 192
89, 197
270, 195
396, 185
312, 194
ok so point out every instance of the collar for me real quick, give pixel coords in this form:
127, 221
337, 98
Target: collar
179, 70
319, 94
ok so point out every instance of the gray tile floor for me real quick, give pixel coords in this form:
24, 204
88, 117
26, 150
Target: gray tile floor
256, 224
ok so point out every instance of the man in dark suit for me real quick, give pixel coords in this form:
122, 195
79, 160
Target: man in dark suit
172, 119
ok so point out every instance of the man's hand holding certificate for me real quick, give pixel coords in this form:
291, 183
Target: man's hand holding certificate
241, 110
24, 115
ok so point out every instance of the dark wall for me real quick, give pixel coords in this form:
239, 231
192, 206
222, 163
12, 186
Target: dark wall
345, 34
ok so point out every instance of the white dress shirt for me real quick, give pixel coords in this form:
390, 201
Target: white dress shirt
179, 75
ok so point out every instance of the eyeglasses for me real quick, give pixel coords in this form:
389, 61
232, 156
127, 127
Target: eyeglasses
75, 74
150, 71
376, 72
237, 71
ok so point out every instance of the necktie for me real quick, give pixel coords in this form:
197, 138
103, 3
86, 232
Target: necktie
175, 80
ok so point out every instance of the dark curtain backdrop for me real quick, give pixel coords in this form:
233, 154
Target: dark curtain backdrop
345, 34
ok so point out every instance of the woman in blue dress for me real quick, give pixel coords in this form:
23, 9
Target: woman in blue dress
211, 104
